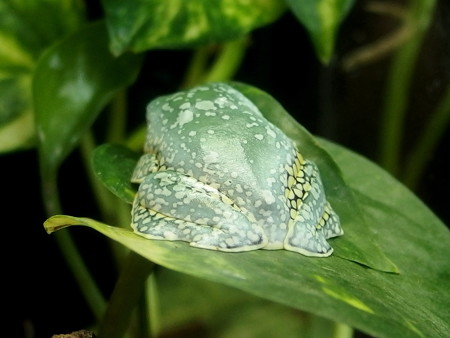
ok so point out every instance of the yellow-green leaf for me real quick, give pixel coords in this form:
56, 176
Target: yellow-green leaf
26, 29
141, 25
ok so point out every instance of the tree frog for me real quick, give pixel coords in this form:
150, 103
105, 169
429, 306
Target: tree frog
216, 174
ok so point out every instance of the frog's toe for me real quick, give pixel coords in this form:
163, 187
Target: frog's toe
226, 241
329, 224
308, 241
311, 247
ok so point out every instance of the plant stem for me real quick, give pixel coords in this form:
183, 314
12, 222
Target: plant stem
197, 66
342, 331
434, 131
126, 295
223, 68
152, 302
228, 61
118, 118
398, 86
86, 283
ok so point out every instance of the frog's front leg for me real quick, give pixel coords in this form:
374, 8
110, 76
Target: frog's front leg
315, 220
173, 206
147, 164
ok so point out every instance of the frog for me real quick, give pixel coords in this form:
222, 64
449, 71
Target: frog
215, 173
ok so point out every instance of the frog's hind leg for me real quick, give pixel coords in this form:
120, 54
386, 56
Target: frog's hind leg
313, 221
304, 237
172, 206
154, 225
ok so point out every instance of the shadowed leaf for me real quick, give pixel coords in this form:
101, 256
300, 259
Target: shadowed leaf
74, 80
321, 19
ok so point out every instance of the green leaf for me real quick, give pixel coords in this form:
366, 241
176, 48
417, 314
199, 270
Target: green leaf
113, 166
321, 19
186, 300
74, 80
140, 25
413, 303
380, 304
353, 245
26, 29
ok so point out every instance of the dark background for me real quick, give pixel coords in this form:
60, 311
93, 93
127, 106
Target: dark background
41, 295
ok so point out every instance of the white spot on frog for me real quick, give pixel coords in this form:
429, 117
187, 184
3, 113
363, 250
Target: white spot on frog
167, 107
268, 197
185, 105
270, 132
221, 101
259, 137
271, 181
184, 117
205, 105
250, 125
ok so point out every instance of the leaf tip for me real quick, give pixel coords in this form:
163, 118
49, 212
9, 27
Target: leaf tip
56, 223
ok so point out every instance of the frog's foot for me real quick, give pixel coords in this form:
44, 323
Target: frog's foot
305, 238
172, 206
308, 236
329, 223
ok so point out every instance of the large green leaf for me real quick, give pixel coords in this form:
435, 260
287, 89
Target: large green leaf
113, 165
74, 80
140, 25
353, 245
321, 19
185, 301
26, 29
412, 303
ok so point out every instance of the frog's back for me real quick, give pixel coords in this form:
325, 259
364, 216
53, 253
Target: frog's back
216, 135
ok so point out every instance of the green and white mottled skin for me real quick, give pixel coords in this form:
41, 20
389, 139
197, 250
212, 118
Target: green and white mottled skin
215, 173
